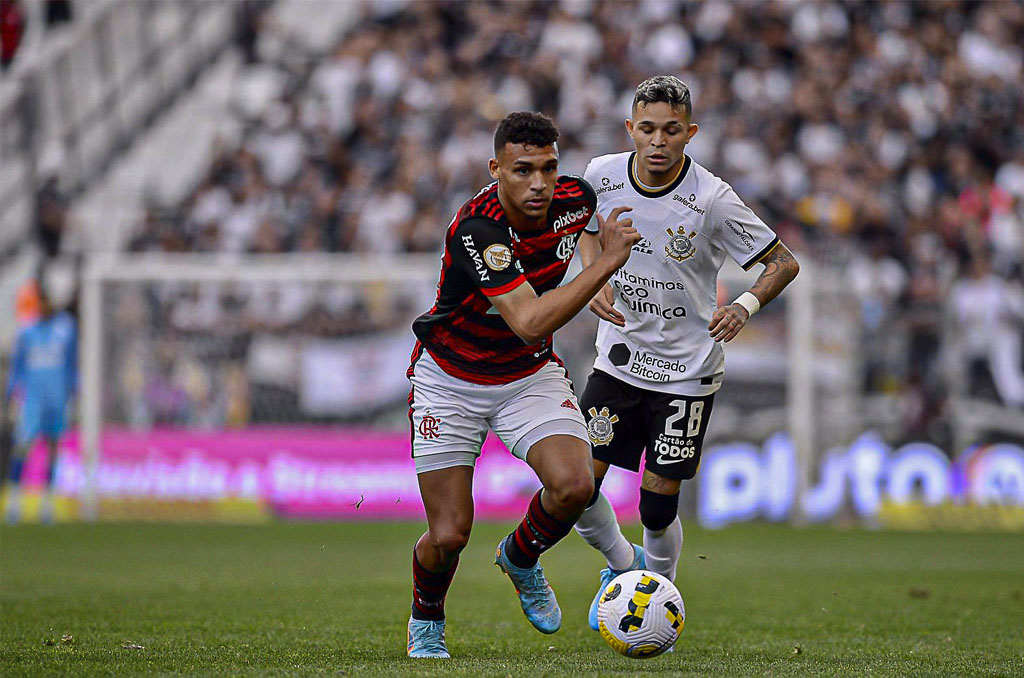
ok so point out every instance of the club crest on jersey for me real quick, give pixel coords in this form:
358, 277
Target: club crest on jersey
498, 257
566, 246
600, 428
680, 246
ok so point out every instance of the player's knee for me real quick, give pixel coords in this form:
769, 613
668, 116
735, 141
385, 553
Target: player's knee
573, 492
657, 511
450, 539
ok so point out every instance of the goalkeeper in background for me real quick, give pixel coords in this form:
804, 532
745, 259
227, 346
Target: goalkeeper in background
43, 380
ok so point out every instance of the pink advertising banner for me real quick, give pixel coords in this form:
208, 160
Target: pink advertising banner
307, 473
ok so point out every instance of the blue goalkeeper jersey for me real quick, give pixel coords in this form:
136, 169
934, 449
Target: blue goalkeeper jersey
44, 368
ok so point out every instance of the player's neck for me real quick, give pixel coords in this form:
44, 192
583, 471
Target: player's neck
520, 221
656, 181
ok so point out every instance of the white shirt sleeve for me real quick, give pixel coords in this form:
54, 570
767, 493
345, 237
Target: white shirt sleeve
737, 230
588, 175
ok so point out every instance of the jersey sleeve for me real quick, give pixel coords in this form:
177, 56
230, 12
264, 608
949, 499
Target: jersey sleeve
588, 181
482, 248
738, 230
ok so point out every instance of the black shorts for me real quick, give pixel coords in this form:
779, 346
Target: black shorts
623, 420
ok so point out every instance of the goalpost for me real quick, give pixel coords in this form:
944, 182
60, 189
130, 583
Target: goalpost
156, 308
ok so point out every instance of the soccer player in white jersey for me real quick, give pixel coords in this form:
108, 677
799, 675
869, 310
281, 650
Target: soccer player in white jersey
659, 348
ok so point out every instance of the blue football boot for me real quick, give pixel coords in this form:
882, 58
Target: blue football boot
426, 639
607, 574
535, 594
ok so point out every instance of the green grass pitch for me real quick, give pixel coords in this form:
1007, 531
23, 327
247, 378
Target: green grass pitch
333, 599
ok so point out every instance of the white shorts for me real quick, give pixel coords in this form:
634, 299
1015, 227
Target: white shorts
450, 417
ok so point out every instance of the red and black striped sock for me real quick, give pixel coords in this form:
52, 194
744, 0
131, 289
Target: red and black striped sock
538, 532
429, 590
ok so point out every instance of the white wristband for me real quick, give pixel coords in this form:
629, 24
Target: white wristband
749, 302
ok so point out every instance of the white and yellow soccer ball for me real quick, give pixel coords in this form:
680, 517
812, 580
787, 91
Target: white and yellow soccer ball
640, 614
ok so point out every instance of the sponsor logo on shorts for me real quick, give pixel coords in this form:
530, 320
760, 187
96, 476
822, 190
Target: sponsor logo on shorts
569, 404
674, 451
430, 427
600, 427
498, 257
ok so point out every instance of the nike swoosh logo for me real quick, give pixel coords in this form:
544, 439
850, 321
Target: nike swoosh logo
663, 460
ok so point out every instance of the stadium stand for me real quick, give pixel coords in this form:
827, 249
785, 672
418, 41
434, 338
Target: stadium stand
882, 140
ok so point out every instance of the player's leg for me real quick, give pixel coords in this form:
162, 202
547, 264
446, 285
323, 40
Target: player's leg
446, 439
659, 514
676, 426
612, 410
12, 482
26, 430
47, 507
562, 463
52, 429
448, 501
540, 422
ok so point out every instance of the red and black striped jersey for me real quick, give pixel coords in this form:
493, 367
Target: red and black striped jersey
484, 256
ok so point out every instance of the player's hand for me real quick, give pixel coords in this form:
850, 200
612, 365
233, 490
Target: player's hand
617, 235
727, 322
603, 306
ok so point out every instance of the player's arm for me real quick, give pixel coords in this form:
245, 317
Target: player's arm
17, 367
780, 267
535, 318
603, 303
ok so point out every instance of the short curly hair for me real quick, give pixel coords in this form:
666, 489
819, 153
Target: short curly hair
664, 88
525, 127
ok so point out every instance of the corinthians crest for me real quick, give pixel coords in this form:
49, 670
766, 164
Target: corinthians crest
680, 246
599, 428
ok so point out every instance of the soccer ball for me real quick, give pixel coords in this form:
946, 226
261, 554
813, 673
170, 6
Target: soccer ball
640, 614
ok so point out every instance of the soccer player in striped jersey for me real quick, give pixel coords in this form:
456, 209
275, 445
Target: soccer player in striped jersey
484, 360
659, 348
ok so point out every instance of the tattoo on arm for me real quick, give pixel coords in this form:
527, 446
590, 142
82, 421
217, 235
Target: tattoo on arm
780, 267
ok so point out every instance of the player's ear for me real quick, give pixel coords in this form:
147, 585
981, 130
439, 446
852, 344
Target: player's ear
629, 126
492, 167
692, 130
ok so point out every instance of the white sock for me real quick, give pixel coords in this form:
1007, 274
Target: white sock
662, 548
600, 529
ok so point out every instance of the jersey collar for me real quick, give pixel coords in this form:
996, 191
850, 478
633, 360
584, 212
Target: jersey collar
661, 190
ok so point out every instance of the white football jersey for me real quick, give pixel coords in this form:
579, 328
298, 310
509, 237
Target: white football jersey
667, 289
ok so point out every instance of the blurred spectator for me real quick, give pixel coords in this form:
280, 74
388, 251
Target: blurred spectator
878, 281
884, 138
987, 315
51, 215
12, 30
250, 15
57, 12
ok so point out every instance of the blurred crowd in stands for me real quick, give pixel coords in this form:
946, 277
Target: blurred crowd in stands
17, 17
883, 140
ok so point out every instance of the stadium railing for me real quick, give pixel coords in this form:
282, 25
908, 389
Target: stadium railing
93, 87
